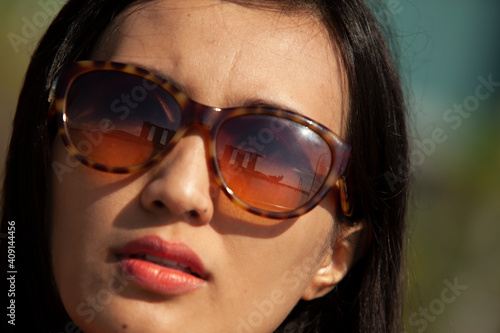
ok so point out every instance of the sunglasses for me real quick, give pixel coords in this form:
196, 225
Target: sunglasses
271, 162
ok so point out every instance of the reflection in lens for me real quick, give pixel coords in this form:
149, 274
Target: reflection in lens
119, 119
272, 163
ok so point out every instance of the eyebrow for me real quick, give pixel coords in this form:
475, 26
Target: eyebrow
163, 76
250, 102
268, 104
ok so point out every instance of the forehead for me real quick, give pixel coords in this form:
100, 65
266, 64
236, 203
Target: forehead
224, 54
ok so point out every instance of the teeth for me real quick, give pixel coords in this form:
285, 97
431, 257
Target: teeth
166, 263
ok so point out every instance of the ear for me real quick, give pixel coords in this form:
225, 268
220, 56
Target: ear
350, 245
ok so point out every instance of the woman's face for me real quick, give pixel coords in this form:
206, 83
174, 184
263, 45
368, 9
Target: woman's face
252, 275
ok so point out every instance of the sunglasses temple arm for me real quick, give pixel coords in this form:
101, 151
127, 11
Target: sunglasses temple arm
346, 198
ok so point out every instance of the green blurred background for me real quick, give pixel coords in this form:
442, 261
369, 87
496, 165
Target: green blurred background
445, 49
445, 46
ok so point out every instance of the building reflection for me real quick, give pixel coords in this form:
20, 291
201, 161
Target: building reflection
250, 181
156, 134
150, 135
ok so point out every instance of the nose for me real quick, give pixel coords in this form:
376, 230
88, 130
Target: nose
180, 183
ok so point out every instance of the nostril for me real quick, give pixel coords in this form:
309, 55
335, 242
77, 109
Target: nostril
194, 213
158, 204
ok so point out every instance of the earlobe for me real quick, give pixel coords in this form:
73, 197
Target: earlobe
350, 246
325, 279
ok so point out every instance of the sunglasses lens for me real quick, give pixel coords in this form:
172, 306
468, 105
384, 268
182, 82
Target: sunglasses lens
119, 119
272, 163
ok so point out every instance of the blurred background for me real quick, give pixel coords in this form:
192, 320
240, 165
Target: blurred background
449, 54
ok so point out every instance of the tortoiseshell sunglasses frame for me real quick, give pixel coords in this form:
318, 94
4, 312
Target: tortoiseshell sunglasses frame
209, 119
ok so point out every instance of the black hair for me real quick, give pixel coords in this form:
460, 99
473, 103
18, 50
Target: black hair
368, 299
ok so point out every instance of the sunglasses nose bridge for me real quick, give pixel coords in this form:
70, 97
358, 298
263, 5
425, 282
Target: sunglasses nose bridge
202, 115
205, 118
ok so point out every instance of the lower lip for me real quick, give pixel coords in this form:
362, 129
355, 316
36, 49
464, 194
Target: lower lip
159, 279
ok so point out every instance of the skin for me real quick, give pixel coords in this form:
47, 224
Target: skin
257, 273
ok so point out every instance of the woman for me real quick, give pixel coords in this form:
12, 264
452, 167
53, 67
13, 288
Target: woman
140, 208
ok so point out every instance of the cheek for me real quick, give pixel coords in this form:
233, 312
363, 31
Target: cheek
82, 224
76, 239
272, 274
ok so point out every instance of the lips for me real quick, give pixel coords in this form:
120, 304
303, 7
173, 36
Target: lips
169, 268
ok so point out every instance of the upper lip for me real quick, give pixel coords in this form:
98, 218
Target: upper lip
176, 251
